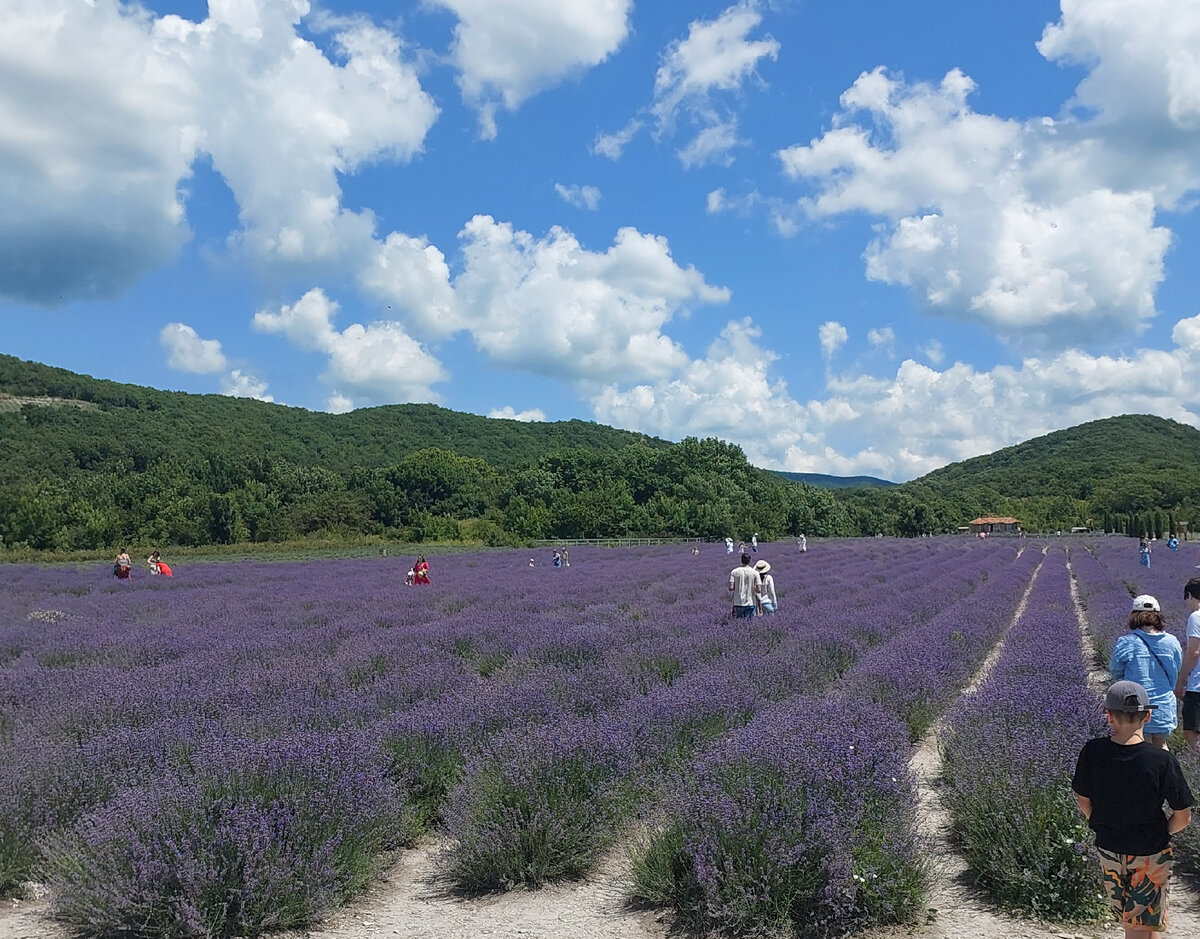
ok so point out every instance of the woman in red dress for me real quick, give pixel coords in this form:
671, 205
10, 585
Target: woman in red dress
421, 571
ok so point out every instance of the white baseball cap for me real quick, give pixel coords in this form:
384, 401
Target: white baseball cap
1146, 602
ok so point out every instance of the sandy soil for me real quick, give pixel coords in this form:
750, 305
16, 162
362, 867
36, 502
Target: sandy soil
412, 901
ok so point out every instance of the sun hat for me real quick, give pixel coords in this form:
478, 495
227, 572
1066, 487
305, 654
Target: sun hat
1127, 696
1146, 602
762, 567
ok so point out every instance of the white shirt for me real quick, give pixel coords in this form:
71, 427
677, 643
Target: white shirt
1193, 632
768, 590
744, 580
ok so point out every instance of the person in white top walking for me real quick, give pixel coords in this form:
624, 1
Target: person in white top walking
1187, 685
746, 587
767, 601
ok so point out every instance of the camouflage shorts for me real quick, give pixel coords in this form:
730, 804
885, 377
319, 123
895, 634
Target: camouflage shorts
1137, 887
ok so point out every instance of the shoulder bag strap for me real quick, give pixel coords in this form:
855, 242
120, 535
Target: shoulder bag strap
1150, 649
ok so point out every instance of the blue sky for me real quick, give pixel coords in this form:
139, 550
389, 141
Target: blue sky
861, 237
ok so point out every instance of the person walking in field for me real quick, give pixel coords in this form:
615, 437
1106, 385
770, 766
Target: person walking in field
1121, 782
1144, 552
754, 542
802, 543
767, 603
746, 586
1187, 685
421, 571
122, 565
1152, 657
729, 546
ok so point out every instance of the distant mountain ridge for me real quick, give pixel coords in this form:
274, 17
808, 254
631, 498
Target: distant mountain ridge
190, 425
825, 481
370, 436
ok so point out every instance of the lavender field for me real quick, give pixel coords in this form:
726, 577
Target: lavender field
238, 748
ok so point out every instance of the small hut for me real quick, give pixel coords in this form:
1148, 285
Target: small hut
995, 524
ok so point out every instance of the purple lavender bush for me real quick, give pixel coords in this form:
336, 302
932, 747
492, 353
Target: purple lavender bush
539, 805
254, 836
802, 821
1187, 842
1008, 756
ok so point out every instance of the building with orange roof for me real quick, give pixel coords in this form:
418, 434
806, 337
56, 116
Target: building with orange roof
993, 524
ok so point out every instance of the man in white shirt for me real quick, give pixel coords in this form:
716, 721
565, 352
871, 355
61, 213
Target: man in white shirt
746, 585
1187, 687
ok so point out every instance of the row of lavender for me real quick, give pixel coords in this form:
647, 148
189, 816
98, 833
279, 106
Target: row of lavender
807, 815
1008, 756
228, 751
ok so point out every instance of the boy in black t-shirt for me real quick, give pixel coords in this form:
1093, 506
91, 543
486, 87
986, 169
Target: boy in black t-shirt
1121, 783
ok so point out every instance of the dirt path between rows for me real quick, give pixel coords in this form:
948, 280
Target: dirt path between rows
411, 900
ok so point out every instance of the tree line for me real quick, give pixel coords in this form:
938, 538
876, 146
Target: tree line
696, 488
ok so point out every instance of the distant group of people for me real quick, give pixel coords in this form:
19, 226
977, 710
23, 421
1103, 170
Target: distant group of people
123, 565
560, 558
741, 546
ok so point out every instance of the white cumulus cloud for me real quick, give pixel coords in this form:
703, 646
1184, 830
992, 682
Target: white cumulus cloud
338, 403
187, 352
238, 384
379, 362
509, 413
582, 197
699, 80
833, 335
613, 145
508, 50
552, 307
988, 219
1142, 58
717, 56
883, 337
104, 107
1045, 230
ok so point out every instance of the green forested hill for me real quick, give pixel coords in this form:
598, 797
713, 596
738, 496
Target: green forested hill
132, 426
86, 463
1134, 473
1130, 463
